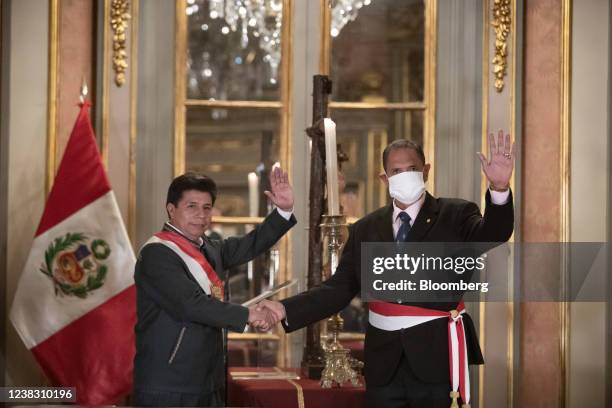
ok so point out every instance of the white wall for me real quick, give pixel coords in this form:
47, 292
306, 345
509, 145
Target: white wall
459, 99
27, 138
589, 180
154, 144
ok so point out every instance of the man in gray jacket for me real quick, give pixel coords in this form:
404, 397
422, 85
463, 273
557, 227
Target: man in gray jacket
182, 304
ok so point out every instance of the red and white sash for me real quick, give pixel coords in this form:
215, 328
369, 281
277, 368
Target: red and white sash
392, 316
198, 266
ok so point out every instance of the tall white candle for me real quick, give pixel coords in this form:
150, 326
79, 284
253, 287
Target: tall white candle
331, 166
253, 194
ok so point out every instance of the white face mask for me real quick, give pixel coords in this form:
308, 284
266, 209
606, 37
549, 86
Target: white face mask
407, 187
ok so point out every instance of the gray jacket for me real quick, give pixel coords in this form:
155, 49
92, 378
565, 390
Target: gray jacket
179, 337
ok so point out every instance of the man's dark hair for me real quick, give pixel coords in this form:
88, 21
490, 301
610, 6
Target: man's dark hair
190, 181
402, 144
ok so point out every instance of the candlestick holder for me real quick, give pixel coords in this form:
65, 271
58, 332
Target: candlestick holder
338, 364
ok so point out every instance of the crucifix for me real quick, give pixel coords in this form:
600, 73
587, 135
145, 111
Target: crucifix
313, 360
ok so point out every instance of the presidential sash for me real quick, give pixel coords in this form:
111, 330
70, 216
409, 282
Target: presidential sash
196, 262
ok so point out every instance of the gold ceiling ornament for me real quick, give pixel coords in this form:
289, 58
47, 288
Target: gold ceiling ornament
119, 23
502, 18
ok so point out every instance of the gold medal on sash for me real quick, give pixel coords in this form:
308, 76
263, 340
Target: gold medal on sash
216, 291
454, 396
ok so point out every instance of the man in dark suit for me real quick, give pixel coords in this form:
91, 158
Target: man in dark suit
182, 302
409, 366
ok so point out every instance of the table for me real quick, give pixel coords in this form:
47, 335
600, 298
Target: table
302, 393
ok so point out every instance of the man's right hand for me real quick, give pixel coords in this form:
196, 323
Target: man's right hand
260, 318
276, 309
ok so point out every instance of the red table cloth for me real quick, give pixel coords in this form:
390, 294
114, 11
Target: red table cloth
302, 393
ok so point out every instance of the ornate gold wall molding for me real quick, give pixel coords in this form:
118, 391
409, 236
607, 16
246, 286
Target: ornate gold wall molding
565, 205
502, 20
52, 94
180, 56
131, 223
119, 23
431, 58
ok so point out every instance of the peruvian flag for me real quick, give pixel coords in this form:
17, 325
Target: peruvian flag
75, 305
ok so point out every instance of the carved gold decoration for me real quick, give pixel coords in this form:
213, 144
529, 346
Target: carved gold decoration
340, 367
119, 23
502, 19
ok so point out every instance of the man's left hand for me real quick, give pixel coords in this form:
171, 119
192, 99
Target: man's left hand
498, 168
281, 193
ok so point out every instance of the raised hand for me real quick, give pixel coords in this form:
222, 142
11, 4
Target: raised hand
276, 309
281, 193
498, 168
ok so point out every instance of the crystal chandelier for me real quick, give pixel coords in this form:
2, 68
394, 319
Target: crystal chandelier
344, 11
262, 18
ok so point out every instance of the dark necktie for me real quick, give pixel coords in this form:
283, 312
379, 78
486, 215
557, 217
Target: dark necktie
404, 229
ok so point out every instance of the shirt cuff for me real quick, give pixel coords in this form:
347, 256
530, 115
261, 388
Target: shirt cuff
286, 319
499, 197
285, 214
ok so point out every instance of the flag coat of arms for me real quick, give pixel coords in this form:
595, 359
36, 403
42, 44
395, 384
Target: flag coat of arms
75, 304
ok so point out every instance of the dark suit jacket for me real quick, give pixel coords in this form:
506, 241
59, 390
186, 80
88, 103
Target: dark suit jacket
425, 346
179, 340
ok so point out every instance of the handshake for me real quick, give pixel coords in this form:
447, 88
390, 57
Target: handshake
266, 314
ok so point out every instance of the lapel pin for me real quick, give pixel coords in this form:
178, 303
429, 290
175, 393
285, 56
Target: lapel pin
428, 220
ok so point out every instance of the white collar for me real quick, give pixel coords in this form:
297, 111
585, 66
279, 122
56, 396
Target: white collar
199, 242
412, 210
